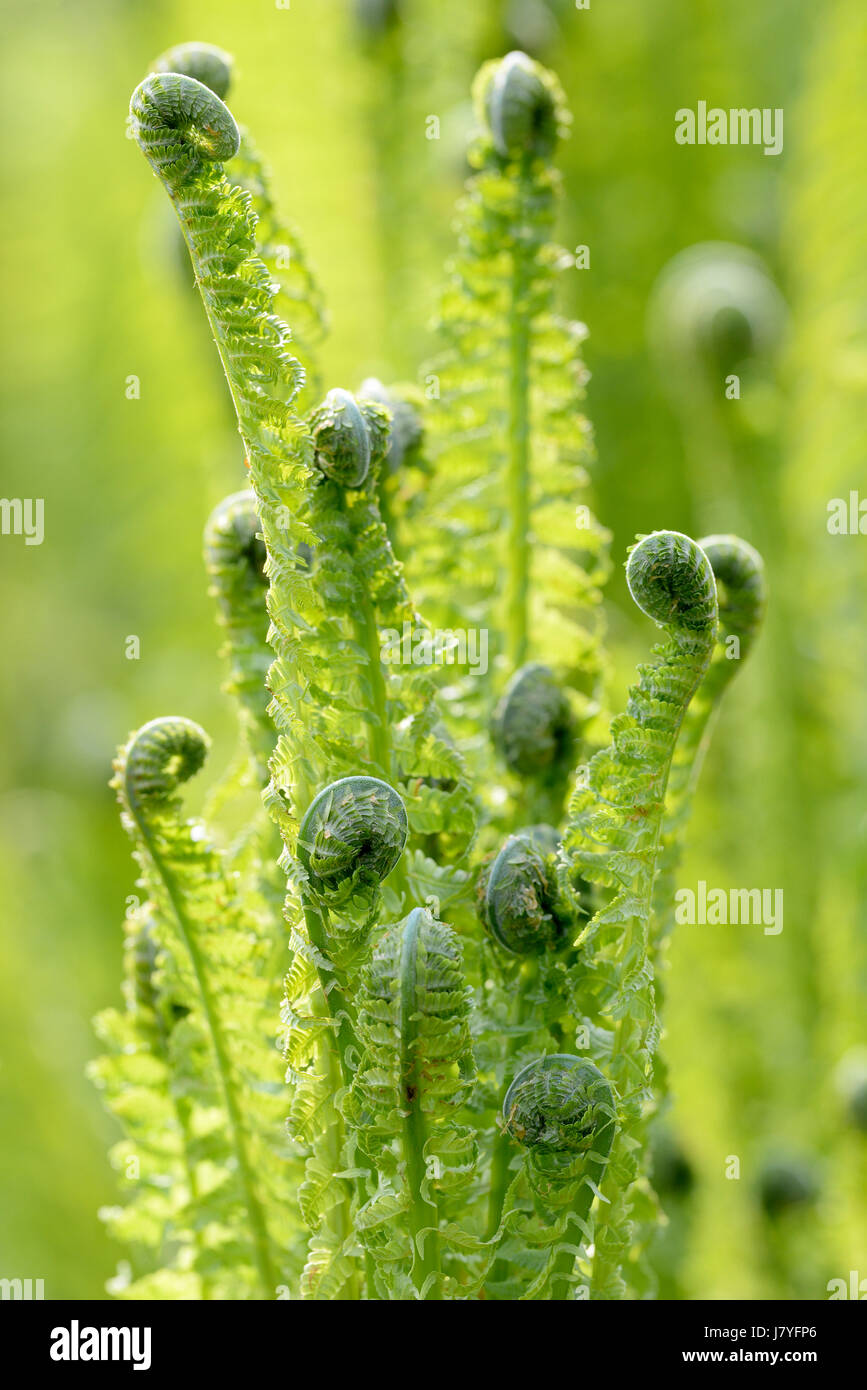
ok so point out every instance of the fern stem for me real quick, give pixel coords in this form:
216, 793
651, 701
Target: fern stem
423, 1212
258, 1228
368, 637
563, 1266
344, 1036
503, 1150
330, 984
181, 1114
367, 634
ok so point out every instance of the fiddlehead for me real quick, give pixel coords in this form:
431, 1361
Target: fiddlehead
522, 904
238, 291
523, 107
350, 840
508, 439
713, 312
350, 437
740, 580
415, 1073
205, 62
714, 306
670, 580
742, 596
524, 910
612, 839
215, 957
235, 564
356, 595
535, 732
562, 1111
352, 837
154, 765
278, 243
182, 126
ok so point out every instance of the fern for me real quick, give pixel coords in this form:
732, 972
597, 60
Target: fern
508, 438
468, 1092
212, 957
351, 838
739, 575
235, 563
415, 1068
561, 1110
324, 618
157, 1178
612, 839
716, 318
278, 244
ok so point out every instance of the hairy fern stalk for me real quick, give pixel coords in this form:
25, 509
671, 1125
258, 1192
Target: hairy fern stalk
464, 986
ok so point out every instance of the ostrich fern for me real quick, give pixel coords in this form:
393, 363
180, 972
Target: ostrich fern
469, 1015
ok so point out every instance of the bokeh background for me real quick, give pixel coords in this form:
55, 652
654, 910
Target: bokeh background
337, 93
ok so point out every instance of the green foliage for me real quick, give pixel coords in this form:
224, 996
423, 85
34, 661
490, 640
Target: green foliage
415, 1070
278, 244
194, 1050
561, 1110
505, 546
468, 1091
612, 839
235, 564
740, 582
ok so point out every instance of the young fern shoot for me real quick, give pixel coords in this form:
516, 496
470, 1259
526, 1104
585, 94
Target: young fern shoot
742, 596
214, 972
536, 733
508, 435
415, 1073
613, 838
153, 1158
562, 1111
235, 564
467, 1107
278, 243
350, 840
531, 922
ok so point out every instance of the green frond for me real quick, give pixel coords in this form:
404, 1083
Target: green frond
213, 990
404, 473
278, 243
508, 439
414, 1074
562, 1112
741, 592
235, 565
612, 839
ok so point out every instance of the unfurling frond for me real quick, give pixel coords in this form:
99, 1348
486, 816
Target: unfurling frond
415, 1073
741, 591
278, 243
207, 1016
612, 839
504, 542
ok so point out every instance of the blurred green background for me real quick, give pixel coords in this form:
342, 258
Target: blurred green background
95, 292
